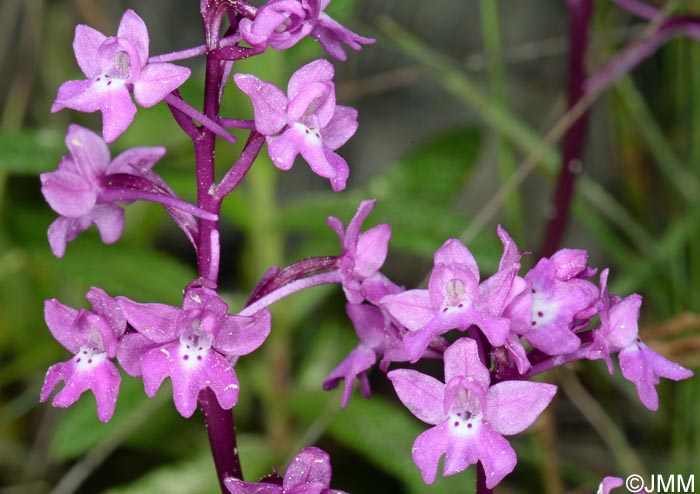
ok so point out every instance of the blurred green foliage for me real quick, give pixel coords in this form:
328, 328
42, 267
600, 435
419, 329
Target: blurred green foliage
640, 215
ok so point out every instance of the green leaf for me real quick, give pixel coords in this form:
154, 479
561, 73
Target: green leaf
435, 172
119, 269
30, 151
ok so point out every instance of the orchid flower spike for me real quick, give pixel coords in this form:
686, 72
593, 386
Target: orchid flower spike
114, 67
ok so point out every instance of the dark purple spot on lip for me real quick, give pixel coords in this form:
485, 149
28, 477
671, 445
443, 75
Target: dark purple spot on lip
469, 425
78, 360
307, 131
188, 347
84, 352
540, 314
89, 361
460, 305
534, 323
200, 348
109, 83
185, 357
444, 309
199, 357
456, 424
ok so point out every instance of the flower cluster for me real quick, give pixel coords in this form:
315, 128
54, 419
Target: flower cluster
517, 327
196, 346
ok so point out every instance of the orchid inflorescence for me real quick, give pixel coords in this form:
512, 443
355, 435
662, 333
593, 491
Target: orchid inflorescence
494, 334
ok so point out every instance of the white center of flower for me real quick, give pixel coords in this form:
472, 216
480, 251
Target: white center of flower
465, 415
543, 310
310, 133
88, 357
195, 345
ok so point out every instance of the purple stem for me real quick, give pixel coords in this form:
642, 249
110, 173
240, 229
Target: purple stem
327, 278
219, 422
580, 14
481, 480
236, 173
128, 195
211, 124
192, 52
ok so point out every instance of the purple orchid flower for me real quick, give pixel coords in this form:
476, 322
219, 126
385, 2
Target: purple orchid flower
195, 346
84, 189
308, 473
618, 323
454, 300
114, 66
363, 255
310, 121
470, 416
643, 366
281, 24
561, 297
92, 338
619, 332
379, 336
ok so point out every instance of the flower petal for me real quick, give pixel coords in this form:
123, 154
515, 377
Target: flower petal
512, 406
156, 81
411, 308
109, 220
317, 71
85, 45
269, 103
133, 29
67, 193
427, 450
60, 320
462, 360
420, 393
156, 322
496, 455
242, 335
